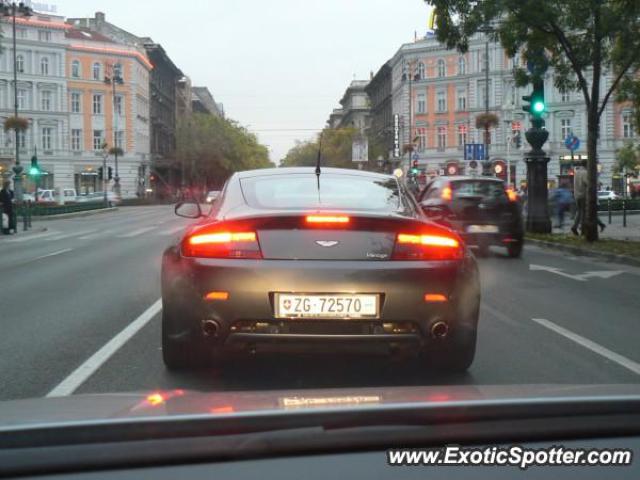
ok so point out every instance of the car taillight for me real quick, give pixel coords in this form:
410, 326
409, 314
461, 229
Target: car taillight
513, 196
222, 245
446, 193
428, 246
327, 219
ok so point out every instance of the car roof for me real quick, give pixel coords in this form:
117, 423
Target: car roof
262, 172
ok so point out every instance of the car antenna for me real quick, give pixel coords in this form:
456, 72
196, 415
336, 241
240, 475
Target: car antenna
318, 172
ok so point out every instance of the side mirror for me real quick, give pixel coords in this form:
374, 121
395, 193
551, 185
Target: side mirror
432, 210
188, 210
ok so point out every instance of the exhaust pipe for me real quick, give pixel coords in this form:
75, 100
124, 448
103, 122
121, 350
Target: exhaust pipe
210, 328
439, 330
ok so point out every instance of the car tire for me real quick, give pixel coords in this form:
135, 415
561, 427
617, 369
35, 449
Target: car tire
182, 354
514, 250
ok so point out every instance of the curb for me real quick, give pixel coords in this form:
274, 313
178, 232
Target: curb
85, 213
609, 257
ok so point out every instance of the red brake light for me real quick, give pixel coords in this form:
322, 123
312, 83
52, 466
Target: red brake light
430, 246
221, 244
513, 196
446, 193
327, 219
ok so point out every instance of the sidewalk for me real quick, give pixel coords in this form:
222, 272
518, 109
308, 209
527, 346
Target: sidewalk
614, 231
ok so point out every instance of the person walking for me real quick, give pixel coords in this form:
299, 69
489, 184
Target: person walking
562, 202
6, 201
580, 195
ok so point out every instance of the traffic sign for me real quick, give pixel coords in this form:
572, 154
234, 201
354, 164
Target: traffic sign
572, 142
474, 151
479, 152
468, 151
473, 164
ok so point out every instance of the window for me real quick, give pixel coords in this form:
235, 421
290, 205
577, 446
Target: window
22, 98
461, 104
421, 103
565, 128
20, 64
118, 104
44, 35
45, 134
462, 135
565, 97
117, 71
119, 139
300, 191
97, 140
421, 74
97, 71
441, 139
75, 102
482, 61
75, 69
442, 101
462, 66
481, 93
441, 68
44, 66
22, 139
422, 139
45, 100
627, 125
97, 104
21, 33
76, 139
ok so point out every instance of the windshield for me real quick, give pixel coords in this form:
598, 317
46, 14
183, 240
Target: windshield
334, 192
180, 241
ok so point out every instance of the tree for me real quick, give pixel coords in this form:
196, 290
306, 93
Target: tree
336, 150
581, 39
210, 148
627, 158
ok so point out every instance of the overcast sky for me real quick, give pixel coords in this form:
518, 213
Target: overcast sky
275, 64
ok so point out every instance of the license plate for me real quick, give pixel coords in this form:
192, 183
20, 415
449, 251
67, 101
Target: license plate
303, 305
482, 229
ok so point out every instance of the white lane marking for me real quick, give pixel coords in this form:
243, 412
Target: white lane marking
32, 237
135, 233
581, 277
172, 231
95, 361
52, 254
69, 235
593, 346
92, 236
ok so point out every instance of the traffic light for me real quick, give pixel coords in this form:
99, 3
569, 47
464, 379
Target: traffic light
109, 173
517, 140
414, 167
100, 173
34, 170
536, 106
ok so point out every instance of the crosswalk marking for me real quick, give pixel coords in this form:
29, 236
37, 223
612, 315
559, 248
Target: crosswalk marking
135, 233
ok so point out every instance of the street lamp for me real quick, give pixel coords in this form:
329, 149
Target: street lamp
13, 10
487, 136
114, 80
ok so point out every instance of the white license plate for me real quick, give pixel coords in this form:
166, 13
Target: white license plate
482, 229
341, 305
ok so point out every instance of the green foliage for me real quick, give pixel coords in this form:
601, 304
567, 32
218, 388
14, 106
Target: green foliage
627, 158
212, 148
336, 150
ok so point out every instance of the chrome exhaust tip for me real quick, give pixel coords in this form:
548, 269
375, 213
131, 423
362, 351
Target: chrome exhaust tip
439, 330
210, 328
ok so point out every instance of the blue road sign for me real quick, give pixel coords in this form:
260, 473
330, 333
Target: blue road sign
468, 151
479, 151
572, 142
474, 151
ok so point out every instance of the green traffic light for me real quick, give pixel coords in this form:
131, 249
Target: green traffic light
538, 106
34, 171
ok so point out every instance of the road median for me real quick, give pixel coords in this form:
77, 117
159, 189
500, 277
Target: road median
610, 250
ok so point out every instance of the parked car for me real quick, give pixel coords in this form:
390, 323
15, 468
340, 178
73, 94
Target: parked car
112, 198
212, 195
608, 195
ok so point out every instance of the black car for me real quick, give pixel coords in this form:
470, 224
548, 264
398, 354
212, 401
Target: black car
289, 260
480, 209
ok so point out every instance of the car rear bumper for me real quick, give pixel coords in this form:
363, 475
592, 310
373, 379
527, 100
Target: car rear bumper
246, 318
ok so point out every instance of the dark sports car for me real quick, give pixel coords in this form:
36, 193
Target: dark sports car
292, 260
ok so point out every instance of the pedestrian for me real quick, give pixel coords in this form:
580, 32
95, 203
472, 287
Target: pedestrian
580, 195
562, 201
6, 200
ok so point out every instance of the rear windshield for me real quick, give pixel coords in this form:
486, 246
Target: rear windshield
478, 188
300, 191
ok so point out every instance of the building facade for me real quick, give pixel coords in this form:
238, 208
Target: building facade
102, 116
438, 94
203, 102
41, 98
381, 115
355, 106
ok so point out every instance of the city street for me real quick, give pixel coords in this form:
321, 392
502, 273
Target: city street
81, 314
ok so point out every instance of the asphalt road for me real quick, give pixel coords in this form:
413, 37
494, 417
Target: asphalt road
79, 314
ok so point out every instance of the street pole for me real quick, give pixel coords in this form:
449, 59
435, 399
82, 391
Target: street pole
509, 140
116, 178
17, 169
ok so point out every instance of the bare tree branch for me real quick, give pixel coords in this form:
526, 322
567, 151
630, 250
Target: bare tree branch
613, 87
